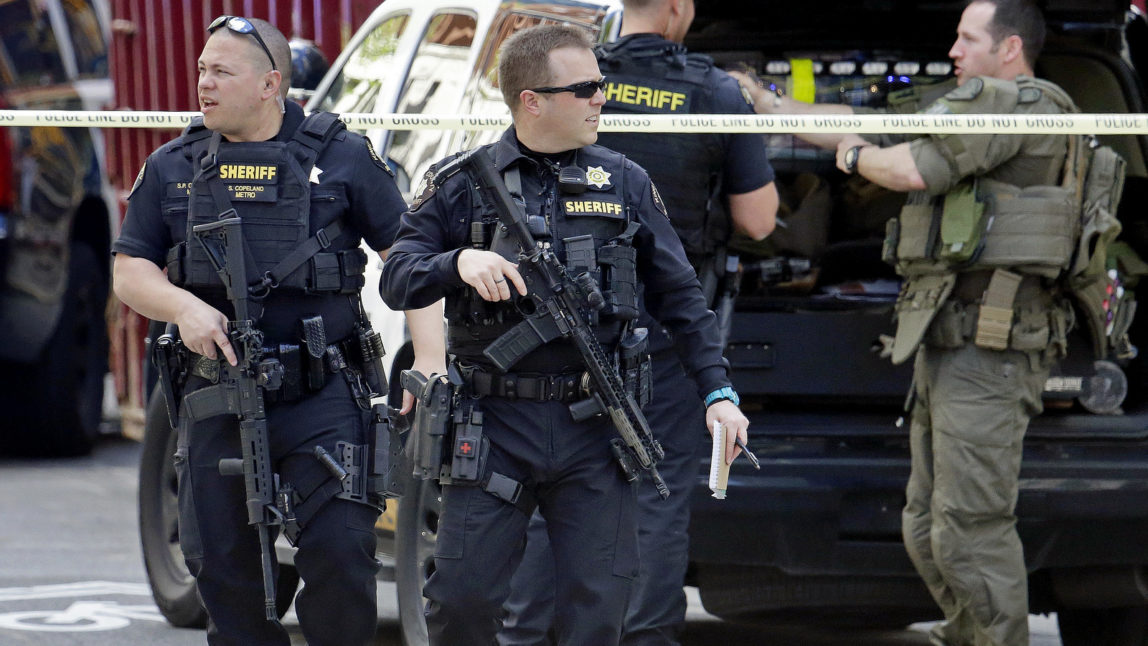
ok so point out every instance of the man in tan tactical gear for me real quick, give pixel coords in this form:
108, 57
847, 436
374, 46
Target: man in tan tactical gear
978, 307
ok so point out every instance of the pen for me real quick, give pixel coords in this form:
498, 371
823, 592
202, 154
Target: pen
749, 454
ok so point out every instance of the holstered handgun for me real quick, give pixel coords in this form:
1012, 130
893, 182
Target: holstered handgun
431, 422
171, 360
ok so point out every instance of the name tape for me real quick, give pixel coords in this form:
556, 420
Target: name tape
1098, 124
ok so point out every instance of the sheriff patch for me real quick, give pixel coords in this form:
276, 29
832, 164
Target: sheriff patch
658, 203
139, 180
595, 208
376, 159
426, 191
250, 182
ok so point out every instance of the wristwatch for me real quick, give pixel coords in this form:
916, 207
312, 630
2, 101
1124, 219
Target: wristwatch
852, 156
723, 393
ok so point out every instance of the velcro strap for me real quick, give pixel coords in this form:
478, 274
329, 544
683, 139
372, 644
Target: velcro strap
995, 318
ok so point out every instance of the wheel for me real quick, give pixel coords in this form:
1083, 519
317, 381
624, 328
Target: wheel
1103, 626
60, 397
172, 585
415, 536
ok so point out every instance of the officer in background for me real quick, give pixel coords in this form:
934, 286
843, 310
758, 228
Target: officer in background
565, 465
297, 184
711, 183
985, 331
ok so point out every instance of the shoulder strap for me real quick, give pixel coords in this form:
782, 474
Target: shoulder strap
313, 135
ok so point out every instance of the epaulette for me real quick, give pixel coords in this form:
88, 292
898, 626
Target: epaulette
435, 177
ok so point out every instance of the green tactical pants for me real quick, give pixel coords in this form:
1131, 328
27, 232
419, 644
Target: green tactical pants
968, 423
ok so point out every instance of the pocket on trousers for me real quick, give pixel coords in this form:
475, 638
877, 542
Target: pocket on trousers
189, 539
626, 541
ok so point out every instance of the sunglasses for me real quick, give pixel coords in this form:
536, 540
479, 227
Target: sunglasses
583, 90
241, 25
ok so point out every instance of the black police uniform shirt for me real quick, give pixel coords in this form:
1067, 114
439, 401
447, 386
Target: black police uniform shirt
743, 160
746, 164
422, 266
353, 183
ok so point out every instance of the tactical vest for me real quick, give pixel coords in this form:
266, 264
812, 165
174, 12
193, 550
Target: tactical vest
686, 168
268, 185
594, 235
987, 224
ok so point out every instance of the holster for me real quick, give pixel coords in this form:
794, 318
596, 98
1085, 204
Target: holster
431, 423
634, 364
171, 360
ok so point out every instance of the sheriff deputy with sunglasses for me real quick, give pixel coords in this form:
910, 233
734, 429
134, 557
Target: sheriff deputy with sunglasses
307, 193
603, 219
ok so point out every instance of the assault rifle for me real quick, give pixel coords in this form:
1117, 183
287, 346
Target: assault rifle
239, 392
555, 309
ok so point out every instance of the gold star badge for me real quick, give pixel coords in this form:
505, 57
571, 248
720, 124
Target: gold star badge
597, 176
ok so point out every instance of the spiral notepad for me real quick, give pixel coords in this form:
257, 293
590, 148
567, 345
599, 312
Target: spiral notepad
719, 469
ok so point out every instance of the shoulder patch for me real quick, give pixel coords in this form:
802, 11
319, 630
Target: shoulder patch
376, 159
427, 189
139, 179
970, 90
661, 206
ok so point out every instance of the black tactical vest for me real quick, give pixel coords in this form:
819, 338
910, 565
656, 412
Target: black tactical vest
686, 168
268, 184
591, 231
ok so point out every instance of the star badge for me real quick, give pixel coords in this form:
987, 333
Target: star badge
597, 176
315, 173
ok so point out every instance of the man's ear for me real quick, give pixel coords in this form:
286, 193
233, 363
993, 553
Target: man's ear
1013, 48
530, 102
271, 82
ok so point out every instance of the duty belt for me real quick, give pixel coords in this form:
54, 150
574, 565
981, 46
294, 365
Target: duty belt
540, 388
298, 372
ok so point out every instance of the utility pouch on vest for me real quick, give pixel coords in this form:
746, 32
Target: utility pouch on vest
634, 359
995, 318
918, 303
918, 233
1030, 230
315, 342
620, 264
892, 239
962, 225
469, 447
431, 422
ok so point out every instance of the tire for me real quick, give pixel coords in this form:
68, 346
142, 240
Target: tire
415, 536
172, 585
1103, 626
60, 397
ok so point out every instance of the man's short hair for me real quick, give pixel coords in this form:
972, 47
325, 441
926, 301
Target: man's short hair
518, 67
1022, 18
280, 50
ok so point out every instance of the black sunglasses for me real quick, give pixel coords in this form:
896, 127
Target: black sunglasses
241, 25
583, 90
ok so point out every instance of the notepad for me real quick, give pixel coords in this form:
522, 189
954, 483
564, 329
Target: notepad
719, 469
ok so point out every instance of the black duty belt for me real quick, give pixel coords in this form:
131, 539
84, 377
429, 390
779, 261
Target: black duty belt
531, 387
335, 359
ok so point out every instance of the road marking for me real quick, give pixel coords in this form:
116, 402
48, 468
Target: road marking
81, 616
80, 589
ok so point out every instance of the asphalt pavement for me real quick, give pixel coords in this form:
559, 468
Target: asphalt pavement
71, 573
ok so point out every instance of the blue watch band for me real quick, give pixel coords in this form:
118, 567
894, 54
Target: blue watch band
723, 393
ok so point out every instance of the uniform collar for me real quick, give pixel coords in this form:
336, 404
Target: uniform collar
508, 151
292, 119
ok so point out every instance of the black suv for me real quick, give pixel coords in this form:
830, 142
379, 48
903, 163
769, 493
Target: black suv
55, 228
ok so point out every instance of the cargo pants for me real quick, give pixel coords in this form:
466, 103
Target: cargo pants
968, 423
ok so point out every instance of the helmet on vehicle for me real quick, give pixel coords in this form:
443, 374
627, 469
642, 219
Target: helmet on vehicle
308, 65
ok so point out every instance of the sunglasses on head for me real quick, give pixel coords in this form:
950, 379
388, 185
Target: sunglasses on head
241, 25
583, 90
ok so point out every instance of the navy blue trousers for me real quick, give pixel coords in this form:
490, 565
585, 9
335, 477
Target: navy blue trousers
657, 605
336, 557
589, 508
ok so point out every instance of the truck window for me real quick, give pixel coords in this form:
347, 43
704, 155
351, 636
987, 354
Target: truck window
30, 45
434, 85
484, 96
87, 39
357, 87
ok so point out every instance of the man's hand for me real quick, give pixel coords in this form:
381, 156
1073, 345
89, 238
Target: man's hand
763, 100
204, 328
488, 272
427, 366
731, 418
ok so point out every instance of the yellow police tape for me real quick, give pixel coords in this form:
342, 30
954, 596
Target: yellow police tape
1098, 124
